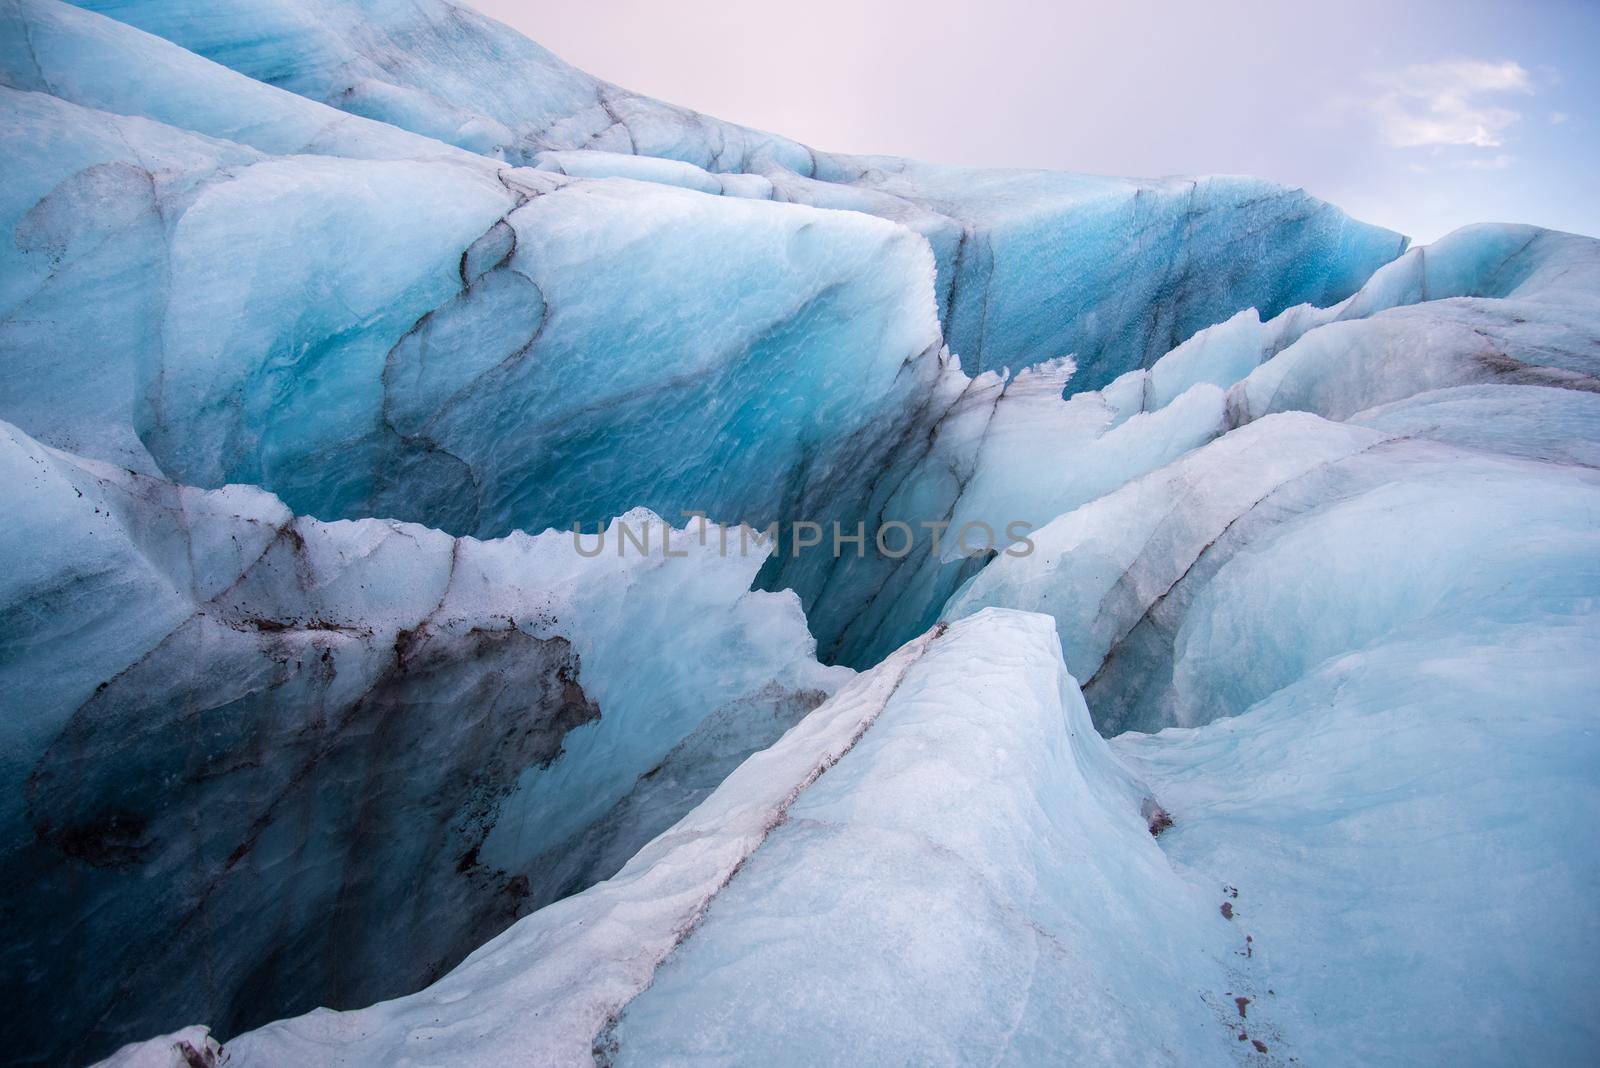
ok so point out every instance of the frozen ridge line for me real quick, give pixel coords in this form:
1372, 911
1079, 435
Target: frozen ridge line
1135, 266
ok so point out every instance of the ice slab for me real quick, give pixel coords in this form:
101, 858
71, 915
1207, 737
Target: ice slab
1490, 303
1406, 828
394, 323
88, 59
1116, 272
978, 839
595, 164
945, 863
1151, 586
445, 71
240, 738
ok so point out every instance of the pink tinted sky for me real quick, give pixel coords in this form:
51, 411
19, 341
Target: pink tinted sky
1420, 115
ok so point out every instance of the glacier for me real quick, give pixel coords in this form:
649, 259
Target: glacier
503, 261
494, 714
1255, 728
994, 829
1141, 264
1443, 408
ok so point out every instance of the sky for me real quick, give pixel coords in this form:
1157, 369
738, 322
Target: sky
1420, 115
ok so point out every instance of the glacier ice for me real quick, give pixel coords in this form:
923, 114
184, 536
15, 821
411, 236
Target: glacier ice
95, 225
941, 889
1408, 827
979, 838
1556, 425
507, 718
1150, 583
999, 456
339, 354
1393, 617
1134, 266
1109, 571
67, 52
314, 316
589, 163
294, 382
443, 70
930, 866
950, 810
433, 256
191, 1047
437, 249
1486, 303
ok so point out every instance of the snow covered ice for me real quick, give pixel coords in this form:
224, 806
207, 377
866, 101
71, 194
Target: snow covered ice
1261, 731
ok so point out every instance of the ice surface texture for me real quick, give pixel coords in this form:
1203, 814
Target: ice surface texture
1487, 308
1409, 824
299, 301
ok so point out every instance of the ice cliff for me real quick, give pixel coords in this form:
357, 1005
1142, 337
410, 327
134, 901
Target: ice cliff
316, 318
330, 720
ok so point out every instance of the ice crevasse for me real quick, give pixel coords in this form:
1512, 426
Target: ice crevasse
314, 318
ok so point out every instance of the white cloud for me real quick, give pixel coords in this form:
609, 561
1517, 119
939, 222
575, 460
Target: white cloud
1558, 117
1453, 102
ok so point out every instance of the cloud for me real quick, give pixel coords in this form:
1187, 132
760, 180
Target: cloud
1558, 117
1450, 103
